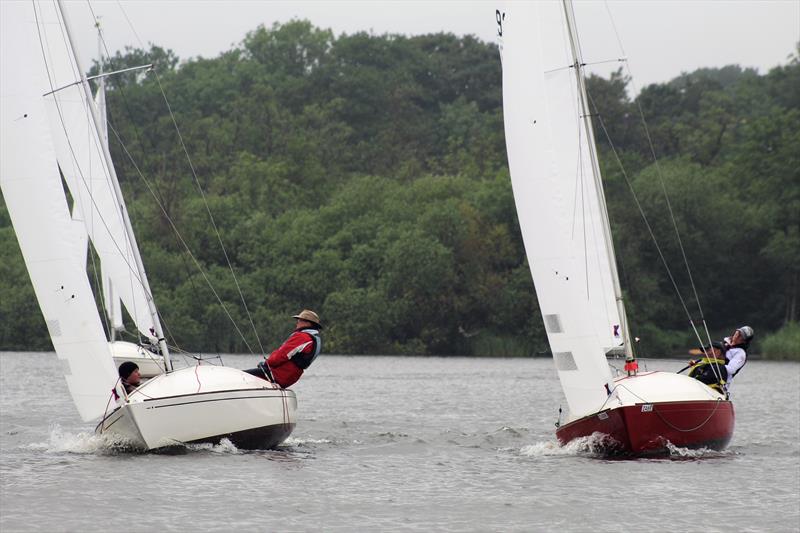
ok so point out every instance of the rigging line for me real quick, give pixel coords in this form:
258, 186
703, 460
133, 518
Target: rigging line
197, 181
659, 173
101, 287
71, 148
646, 222
583, 133
580, 183
180, 237
126, 254
129, 22
208, 209
120, 87
159, 197
137, 133
608, 240
588, 219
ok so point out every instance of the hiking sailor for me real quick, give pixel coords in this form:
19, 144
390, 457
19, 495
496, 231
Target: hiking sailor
285, 365
736, 351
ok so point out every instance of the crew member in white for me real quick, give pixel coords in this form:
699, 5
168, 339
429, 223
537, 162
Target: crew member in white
736, 354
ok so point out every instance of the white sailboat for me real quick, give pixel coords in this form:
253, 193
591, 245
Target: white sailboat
51, 127
562, 214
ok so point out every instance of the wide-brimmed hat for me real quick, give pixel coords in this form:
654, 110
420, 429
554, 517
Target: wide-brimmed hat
310, 316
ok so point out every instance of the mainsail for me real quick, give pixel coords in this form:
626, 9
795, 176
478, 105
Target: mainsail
51, 243
559, 200
79, 149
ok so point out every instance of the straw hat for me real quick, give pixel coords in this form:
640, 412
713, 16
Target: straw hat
308, 315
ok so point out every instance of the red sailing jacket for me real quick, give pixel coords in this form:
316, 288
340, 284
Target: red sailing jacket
284, 370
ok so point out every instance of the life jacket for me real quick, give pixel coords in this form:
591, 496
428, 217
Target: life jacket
711, 371
304, 360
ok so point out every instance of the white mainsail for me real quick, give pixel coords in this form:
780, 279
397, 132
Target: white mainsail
79, 149
51, 243
559, 200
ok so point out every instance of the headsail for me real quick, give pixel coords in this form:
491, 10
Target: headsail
51, 243
559, 199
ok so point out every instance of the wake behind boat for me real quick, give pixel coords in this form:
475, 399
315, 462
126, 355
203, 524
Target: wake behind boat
61, 136
562, 213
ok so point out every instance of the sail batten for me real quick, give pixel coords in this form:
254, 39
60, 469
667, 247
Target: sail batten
558, 194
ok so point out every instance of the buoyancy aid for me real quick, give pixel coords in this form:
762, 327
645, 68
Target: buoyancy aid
711, 368
304, 360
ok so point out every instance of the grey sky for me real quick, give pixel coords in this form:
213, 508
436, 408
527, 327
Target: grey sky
660, 38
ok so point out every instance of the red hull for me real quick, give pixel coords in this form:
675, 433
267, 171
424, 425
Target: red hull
646, 428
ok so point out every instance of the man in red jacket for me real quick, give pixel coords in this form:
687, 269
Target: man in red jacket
285, 365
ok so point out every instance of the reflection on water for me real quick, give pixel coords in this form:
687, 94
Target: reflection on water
391, 443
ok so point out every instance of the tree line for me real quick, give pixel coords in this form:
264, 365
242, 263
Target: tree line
365, 176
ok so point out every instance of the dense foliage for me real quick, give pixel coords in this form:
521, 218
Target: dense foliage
365, 177
783, 343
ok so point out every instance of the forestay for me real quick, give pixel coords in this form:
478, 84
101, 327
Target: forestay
559, 201
53, 247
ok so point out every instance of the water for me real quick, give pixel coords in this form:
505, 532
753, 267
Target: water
399, 444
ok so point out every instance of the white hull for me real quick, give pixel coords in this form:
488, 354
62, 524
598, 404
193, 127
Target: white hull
204, 404
150, 364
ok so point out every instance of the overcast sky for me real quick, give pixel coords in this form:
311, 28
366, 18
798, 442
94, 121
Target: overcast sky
660, 38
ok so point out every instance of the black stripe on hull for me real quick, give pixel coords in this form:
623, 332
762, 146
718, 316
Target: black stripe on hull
260, 438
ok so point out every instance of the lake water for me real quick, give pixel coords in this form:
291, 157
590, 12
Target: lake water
399, 444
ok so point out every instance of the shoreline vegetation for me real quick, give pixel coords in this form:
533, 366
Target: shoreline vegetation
365, 176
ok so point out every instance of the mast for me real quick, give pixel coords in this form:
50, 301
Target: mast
597, 178
117, 192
